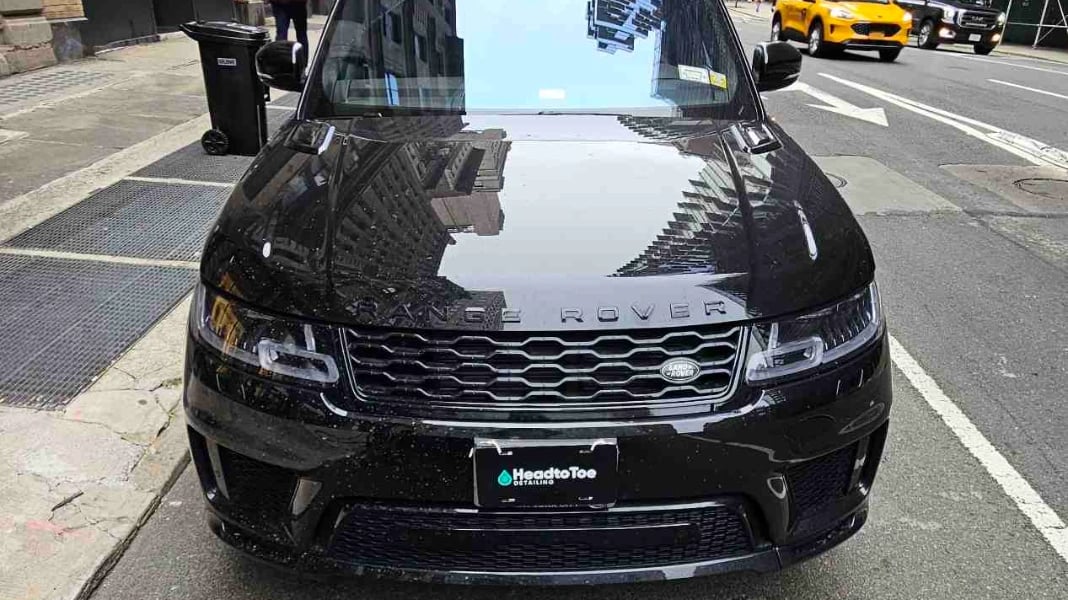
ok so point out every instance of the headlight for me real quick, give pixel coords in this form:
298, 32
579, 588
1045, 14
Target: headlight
272, 345
1002, 17
907, 17
948, 14
796, 345
841, 13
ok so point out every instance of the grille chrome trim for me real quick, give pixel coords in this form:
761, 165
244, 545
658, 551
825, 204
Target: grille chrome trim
977, 20
441, 371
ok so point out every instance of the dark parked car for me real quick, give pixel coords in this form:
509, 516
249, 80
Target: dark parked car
972, 22
535, 296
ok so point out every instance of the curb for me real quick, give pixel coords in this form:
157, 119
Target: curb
1021, 53
108, 562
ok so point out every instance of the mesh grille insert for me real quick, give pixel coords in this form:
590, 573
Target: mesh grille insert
816, 483
377, 535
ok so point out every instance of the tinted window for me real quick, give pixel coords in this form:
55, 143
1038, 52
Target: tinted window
658, 57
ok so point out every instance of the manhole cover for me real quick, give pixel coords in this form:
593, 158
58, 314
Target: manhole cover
1055, 189
839, 182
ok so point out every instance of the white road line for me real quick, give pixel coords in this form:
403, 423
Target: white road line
174, 181
1030, 503
1004, 64
1031, 150
1030, 89
105, 258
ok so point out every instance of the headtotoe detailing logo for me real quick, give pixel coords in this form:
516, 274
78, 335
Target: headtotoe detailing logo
504, 479
523, 477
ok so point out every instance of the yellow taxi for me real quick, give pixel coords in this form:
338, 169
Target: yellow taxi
828, 26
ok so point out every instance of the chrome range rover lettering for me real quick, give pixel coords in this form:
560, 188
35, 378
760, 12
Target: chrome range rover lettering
414, 313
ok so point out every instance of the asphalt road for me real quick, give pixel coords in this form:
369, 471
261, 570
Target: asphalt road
974, 275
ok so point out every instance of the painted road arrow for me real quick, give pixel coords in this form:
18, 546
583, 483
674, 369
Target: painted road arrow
837, 105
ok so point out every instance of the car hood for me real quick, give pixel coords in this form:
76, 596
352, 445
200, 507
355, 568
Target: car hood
536, 224
872, 10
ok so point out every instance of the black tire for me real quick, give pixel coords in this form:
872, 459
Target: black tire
927, 38
889, 55
776, 29
215, 142
816, 46
984, 49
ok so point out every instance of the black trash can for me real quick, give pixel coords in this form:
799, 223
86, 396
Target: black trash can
236, 97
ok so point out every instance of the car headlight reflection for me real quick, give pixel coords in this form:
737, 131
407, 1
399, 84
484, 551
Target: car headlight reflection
796, 345
271, 345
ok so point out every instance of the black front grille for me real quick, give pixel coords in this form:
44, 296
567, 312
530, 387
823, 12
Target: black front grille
565, 371
888, 29
816, 483
441, 540
978, 20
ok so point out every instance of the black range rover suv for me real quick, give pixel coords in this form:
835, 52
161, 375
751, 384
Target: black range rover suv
535, 292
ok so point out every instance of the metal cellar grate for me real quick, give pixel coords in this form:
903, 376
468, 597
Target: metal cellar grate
64, 321
193, 164
133, 218
33, 86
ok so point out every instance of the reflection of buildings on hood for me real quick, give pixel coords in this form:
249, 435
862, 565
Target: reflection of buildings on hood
465, 187
706, 227
399, 205
615, 24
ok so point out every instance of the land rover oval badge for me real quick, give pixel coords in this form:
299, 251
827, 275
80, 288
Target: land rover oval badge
680, 370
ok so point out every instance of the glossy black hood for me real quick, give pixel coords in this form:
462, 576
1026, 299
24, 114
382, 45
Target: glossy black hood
535, 223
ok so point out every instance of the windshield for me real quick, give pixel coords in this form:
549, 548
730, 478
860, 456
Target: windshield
425, 57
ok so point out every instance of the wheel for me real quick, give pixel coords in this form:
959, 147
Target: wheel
816, 45
889, 55
927, 38
215, 142
984, 49
776, 30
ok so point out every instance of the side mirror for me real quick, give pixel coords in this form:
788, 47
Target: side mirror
776, 65
281, 65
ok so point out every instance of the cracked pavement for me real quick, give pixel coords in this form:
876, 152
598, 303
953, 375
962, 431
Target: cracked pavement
79, 482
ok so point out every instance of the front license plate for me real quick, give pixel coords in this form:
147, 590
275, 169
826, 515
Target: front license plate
975, 37
518, 473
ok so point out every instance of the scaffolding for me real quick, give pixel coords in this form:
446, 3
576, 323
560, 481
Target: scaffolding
1042, 28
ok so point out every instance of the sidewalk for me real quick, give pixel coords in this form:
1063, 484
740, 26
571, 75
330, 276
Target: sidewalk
1051, 54
105, 197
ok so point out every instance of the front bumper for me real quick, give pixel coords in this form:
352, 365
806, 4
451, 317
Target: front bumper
784, 475
842, 33
951, 34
